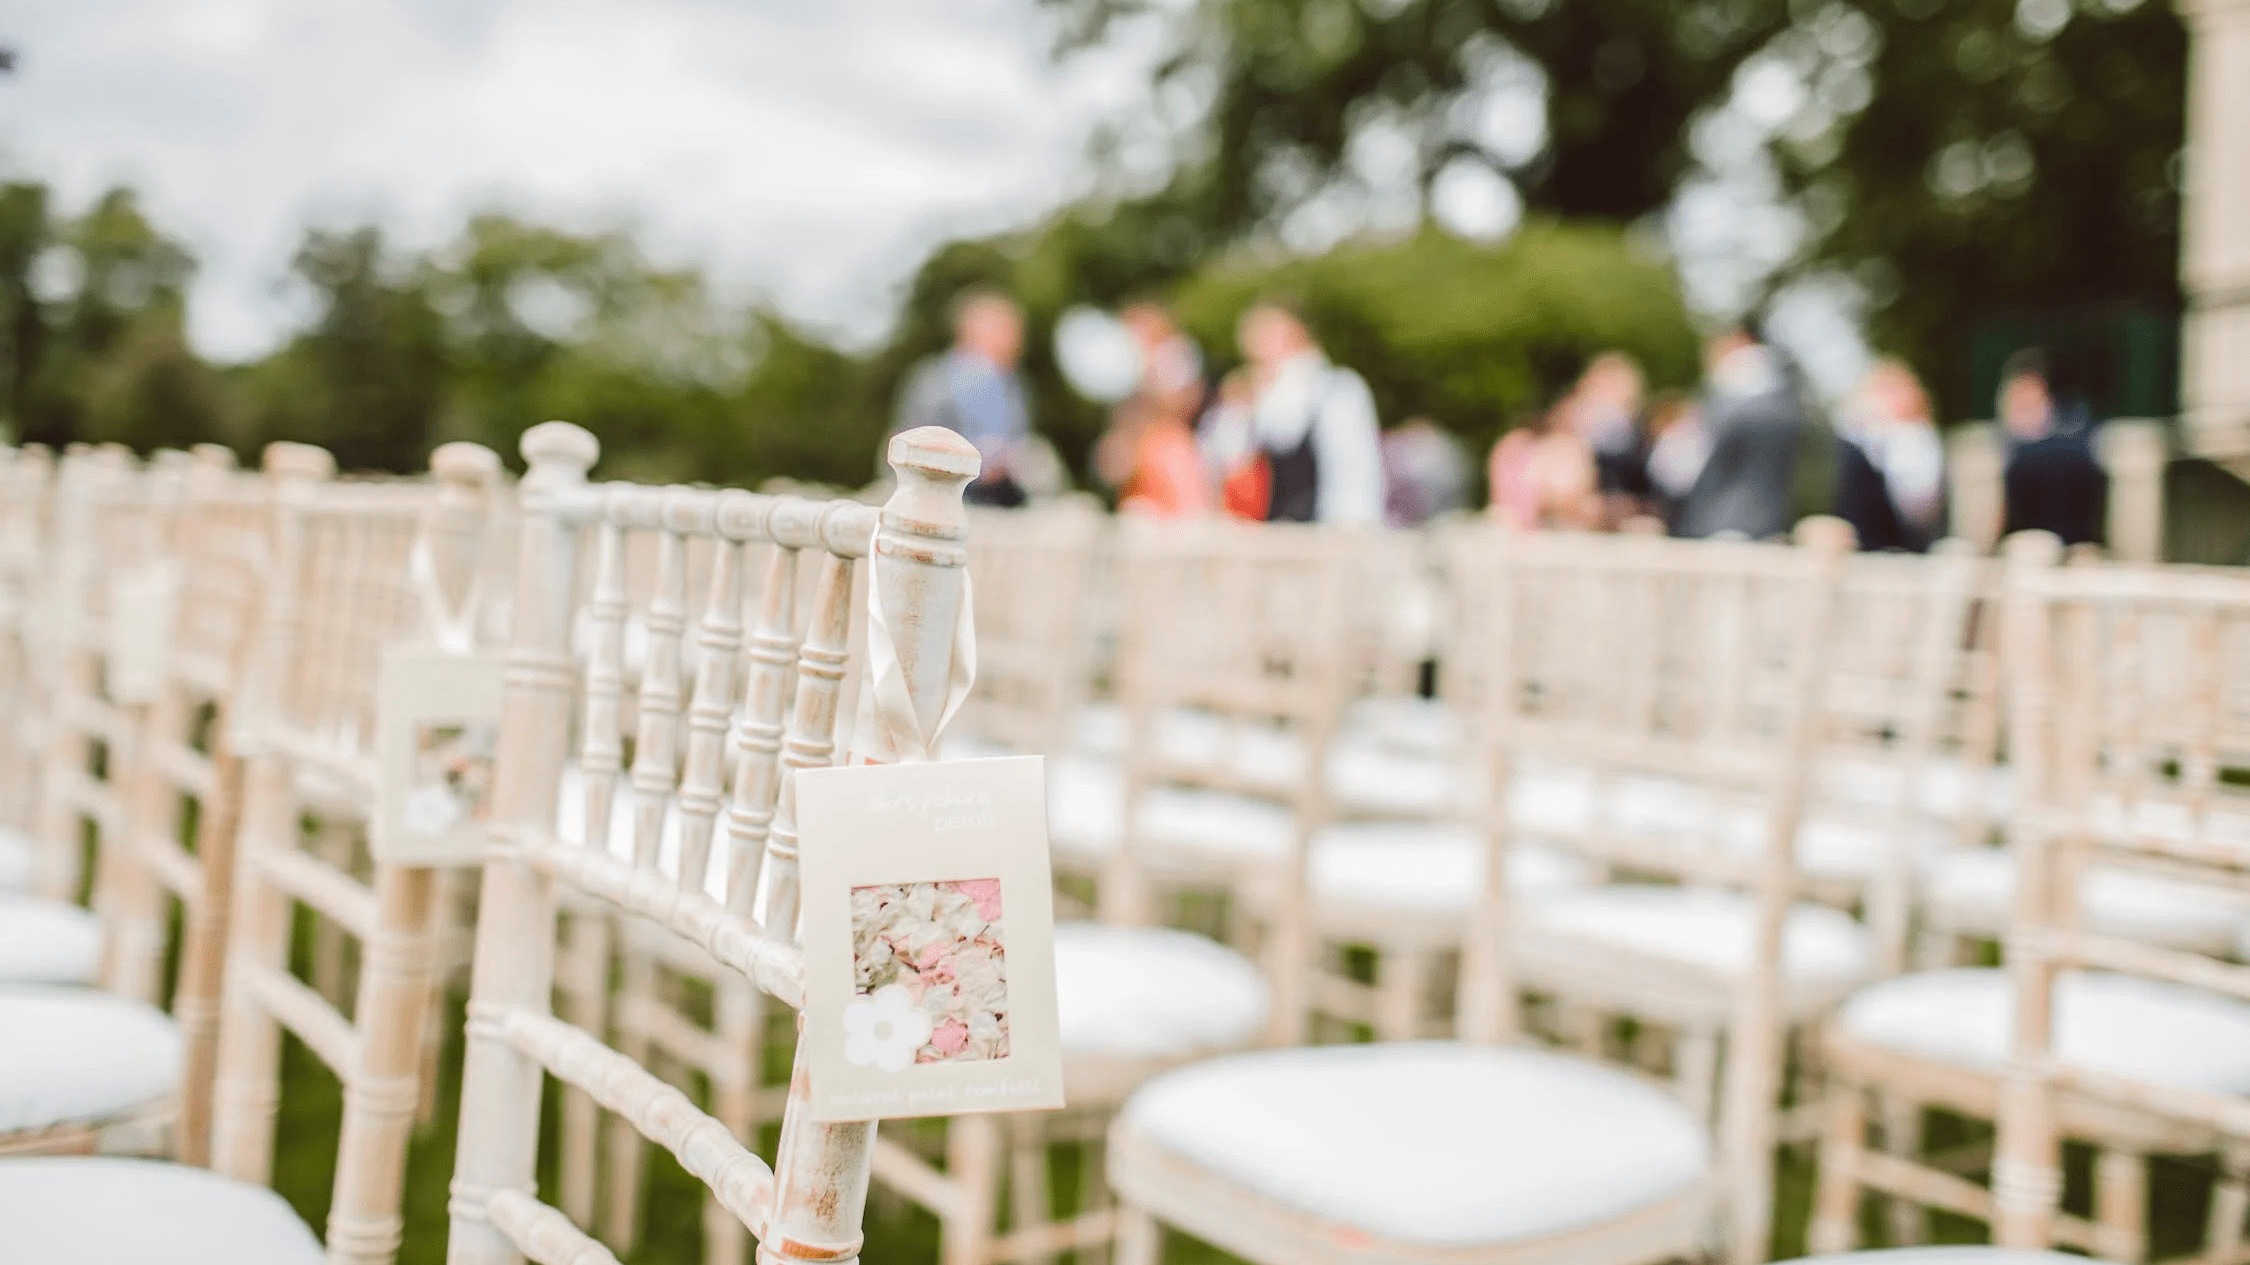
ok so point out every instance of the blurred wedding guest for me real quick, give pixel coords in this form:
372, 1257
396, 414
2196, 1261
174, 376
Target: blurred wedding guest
1543, 475
973, 390
1755, 424
1677, 448
1148, 452
1890, 471
1230, 454
1605, 409
2053, 483
1425, 473
1297, 437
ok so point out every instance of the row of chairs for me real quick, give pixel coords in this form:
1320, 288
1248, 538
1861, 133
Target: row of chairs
190, 656
1688, 787
1727, 813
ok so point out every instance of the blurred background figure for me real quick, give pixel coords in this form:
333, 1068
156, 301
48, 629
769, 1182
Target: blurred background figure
1148, 453
1677, 448
1605, 410
1890, 463
973, 390
1755, 423
1543, 475
2053, 483
1296, 437
1425, 473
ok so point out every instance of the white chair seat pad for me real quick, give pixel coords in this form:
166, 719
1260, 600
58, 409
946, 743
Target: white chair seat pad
48, 942
1085, 815
1565, 802
1098, 729
18, 860
109, 1211
2147, 1030
1366, 780
1954, 1255
1947, 789
1416, 726
1974, 890
1710, 931
1428, 868
1429, 1142
1152, 992
73, 1056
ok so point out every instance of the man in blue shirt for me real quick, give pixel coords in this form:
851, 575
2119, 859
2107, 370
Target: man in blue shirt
973, 391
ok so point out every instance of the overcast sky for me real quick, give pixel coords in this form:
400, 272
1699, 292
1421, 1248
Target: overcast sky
807, 150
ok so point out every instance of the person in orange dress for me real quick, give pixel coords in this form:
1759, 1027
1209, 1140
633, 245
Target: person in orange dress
1149, 452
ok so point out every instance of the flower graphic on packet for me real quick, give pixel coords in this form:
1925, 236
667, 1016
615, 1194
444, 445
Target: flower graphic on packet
941, 945
430, 810
885, 1030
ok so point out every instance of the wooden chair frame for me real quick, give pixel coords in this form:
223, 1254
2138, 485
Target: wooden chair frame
808, 1204
1158, 1186
344, 586
2106, 716
2033, 1102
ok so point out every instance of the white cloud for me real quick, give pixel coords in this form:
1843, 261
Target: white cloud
808, 152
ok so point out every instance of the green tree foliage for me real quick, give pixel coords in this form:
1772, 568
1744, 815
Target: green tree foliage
1292, 78
2013, 156
366, 379
1469, 336
1965, 158
94, 312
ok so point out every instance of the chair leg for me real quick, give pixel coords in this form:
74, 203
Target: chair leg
1095, 1196
247, 1089
203, 957
2121, 1204
1835, 1216
365, 1222
1902, 1137
1030, 1197
1402, 981
1695, 1071
1139, 1240
2230, 1203
972, 1166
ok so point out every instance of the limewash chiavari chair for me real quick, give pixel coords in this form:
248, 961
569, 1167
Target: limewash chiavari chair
85, 1067
356, 567
336, 583
1472, 1151
2130, 688
108, 518
1033, 571
808, 1204
221, 540
1244, 628
1967, 892
26, 484
1889, 675
2125, 703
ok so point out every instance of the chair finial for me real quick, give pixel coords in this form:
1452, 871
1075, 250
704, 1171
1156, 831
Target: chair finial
560, 450
462, 462
292, 462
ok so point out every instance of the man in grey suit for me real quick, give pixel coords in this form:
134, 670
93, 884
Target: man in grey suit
1756, 425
